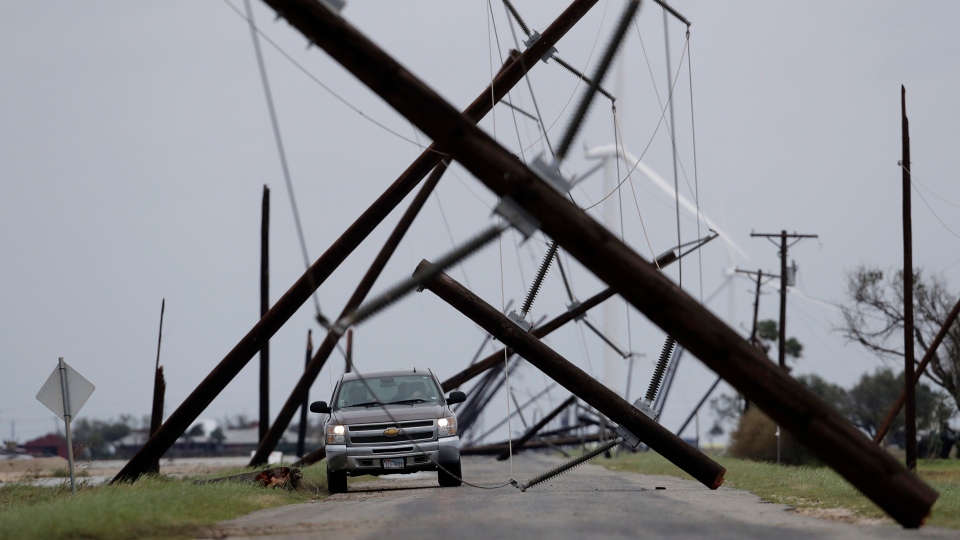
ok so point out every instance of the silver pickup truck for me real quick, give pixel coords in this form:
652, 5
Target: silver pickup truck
388, 422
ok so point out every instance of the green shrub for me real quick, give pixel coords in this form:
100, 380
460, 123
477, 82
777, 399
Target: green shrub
755, 439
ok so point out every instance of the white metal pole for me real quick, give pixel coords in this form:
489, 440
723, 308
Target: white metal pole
66, 420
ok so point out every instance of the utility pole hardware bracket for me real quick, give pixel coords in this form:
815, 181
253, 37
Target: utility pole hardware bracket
630, 438
521, 220
574, 305
550, 173
534, 36
520, 321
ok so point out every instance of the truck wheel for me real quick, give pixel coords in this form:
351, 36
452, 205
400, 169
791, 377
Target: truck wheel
336, 481
451, 477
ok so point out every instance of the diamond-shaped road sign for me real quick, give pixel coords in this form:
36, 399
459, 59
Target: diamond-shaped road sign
79, 390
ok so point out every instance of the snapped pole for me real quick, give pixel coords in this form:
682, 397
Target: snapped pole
159, 390
302, 432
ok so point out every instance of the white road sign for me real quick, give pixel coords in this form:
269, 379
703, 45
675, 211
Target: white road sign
51, 394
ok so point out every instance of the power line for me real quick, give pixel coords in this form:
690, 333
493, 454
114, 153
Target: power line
283, 156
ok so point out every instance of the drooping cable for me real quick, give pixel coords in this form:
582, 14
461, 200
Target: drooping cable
283, 159
663, 112
618, 136
316, 80
673, 143
626, 304
696, 179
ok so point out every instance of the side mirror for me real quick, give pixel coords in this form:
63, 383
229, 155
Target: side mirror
320, 407
456, 397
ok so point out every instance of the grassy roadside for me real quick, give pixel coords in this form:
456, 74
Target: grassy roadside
809, 488
153, 507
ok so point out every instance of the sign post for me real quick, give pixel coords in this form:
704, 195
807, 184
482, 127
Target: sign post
64, 393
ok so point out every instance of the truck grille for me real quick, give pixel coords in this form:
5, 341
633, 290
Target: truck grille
396, 438
401, 425
392, 450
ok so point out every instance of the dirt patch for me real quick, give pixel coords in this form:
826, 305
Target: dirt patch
14, 469
844, 515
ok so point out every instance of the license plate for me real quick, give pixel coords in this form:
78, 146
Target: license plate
393, 463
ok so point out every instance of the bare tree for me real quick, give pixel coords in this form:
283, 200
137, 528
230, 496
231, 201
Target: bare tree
874, 318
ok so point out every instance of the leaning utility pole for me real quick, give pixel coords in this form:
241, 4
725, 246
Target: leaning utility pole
930, 354
908, 376
782, 354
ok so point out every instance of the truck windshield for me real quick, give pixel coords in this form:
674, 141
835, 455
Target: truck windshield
406, 389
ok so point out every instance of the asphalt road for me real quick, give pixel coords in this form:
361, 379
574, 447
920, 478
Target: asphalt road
588, 501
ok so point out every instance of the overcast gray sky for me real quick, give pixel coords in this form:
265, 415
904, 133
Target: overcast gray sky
135, 142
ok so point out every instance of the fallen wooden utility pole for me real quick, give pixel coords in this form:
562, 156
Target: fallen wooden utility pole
577, 381
159, 390
930, 354
511, 73
542, 331
290, 302
517, 445
814, 423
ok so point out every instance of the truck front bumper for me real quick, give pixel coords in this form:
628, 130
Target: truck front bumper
358, 460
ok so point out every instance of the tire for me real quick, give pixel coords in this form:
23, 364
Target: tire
451, 478
336, 481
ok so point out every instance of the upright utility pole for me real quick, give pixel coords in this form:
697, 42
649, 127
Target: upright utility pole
264, 307
753, 329
908, 375
782, 339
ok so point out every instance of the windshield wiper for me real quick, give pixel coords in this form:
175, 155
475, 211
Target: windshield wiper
367, 404
407, 401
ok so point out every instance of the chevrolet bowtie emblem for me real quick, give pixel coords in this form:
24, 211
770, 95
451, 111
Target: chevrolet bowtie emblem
391, 432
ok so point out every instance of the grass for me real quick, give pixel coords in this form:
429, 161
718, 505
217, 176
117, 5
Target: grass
810, 487
153, 507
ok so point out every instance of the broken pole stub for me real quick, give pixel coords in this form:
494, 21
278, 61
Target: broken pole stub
578, 382
815, 424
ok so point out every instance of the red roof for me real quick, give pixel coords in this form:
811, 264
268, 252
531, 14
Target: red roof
50, 443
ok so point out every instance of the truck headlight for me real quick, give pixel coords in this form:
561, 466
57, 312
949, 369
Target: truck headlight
447, 427
336, 434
